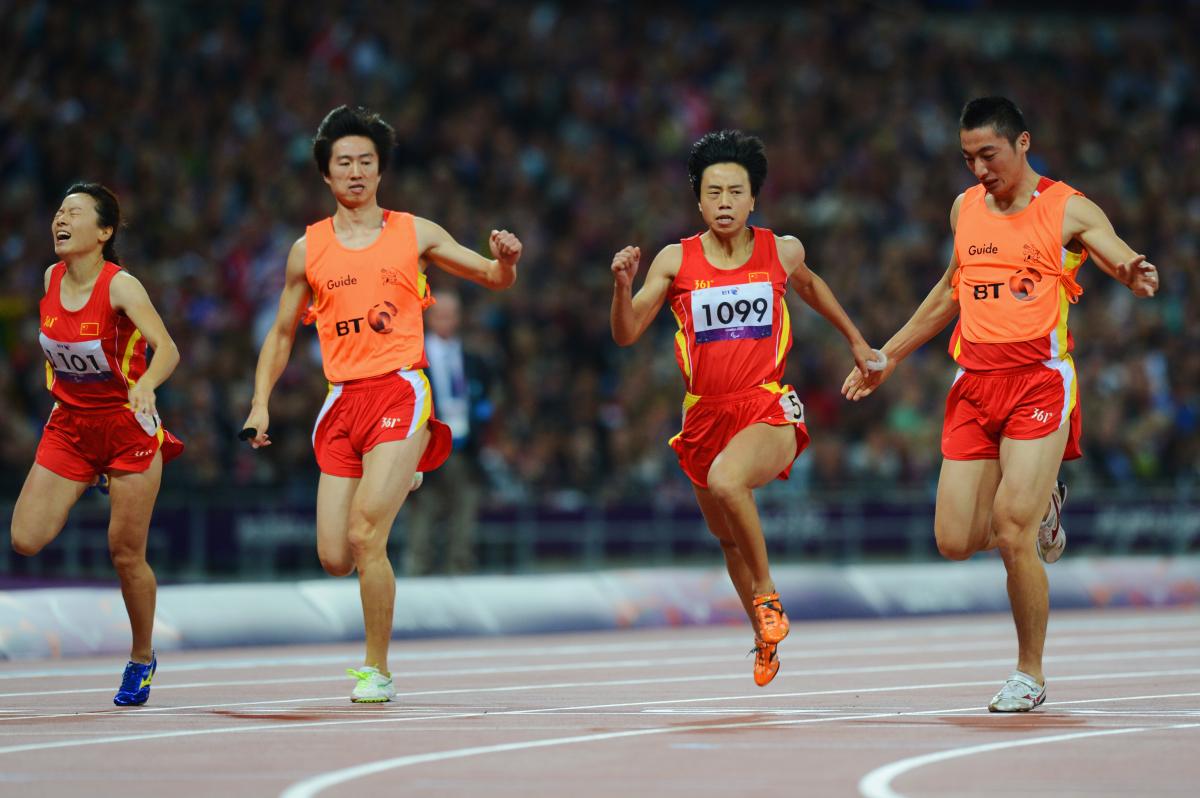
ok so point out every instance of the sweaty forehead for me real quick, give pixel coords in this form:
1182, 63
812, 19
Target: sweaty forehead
353, 147
980, 138
725, 174
78, 202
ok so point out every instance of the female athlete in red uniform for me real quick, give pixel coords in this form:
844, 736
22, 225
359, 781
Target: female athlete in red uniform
362, 268
96, 321
741, 427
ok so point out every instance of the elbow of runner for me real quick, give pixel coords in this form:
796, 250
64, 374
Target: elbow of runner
623, 337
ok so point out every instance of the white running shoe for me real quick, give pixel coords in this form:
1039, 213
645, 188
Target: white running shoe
372, 688
1020, 693
1052, 538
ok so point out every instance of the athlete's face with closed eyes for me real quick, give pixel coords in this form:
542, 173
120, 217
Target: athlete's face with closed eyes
76, 227
996, 162
725, 198
353, 171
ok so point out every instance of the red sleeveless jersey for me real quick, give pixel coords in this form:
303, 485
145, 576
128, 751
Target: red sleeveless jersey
93, 354
734, 328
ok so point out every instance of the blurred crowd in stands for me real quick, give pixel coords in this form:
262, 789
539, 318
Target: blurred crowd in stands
570, 124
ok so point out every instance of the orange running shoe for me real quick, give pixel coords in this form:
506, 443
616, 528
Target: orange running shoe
766, 662
772, 620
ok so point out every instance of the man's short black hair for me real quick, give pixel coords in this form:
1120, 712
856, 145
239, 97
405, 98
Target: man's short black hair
346, 121
1000, 113
728, 146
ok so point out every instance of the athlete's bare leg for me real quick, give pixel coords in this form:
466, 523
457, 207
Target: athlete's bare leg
962, 521
41, 509
1029, 469
739, 572
132, 496
754, 457
387, 478
334, 495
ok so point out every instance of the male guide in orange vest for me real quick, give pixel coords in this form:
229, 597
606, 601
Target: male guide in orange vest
741, 427
361, 268
1012, 414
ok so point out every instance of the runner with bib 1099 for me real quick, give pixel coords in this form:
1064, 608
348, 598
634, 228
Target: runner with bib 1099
1012, 415
741, 427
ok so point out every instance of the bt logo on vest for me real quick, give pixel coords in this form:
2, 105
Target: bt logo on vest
379, 318
987, 249
343, 327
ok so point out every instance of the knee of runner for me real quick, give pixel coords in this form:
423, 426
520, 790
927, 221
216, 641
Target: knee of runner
24, 544
365, 540
953, 549
1012, 533
336, 567
724, 487
125, 558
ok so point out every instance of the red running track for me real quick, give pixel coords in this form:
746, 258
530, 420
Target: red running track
864, 708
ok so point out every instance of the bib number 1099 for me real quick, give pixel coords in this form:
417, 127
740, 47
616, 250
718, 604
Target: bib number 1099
732, 312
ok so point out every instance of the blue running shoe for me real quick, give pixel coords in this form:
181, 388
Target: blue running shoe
135, 683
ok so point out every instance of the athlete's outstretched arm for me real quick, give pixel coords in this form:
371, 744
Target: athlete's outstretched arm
1085, 221
277, 346
438, 246
128, 295
936, 311
817, 294
631, 315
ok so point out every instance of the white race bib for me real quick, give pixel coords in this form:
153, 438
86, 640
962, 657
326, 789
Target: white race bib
77, 361
793, 410
732, 312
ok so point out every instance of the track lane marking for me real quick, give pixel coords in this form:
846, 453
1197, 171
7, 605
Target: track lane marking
405, 718
1138, 626
656, 663
312, 786
877, 783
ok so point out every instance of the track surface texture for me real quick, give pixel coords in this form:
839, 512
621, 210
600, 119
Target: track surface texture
862, 708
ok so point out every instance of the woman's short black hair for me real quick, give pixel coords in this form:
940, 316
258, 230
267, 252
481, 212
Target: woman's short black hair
346, 121
108, 213
728, 146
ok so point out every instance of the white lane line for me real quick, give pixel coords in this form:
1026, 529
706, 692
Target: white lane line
258, 728
142, 711
397, 656
1053, 707
314, 785
653, 663
877, 783
859, 690
1109, 641
386, 719
952, 630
